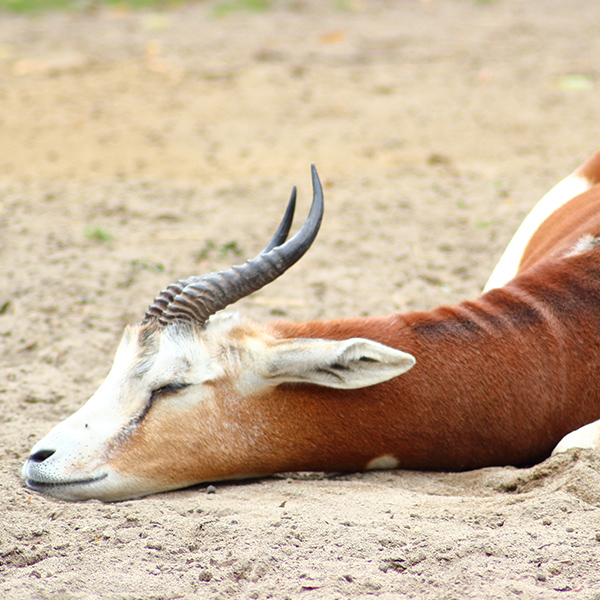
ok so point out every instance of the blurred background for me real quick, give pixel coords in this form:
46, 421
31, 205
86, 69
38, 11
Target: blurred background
234, 89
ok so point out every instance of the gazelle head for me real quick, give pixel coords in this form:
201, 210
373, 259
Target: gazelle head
187, 397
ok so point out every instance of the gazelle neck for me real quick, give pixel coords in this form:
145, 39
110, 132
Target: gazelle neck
451, 411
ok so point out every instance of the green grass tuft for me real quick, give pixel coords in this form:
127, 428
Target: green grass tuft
97, 234
232, 6
36, 6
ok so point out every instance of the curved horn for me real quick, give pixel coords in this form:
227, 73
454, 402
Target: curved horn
197, 298
284, 227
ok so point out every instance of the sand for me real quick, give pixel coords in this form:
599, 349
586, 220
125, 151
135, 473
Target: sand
141, 147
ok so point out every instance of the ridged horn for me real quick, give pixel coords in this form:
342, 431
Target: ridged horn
197, 298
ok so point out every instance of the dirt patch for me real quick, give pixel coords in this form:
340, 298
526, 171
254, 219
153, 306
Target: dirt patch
139, 148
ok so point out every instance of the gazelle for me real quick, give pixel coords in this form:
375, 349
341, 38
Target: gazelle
195, 396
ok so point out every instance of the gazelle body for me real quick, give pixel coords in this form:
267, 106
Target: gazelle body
501, 380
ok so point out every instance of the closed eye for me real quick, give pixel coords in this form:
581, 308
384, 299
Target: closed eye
167, 390
161, 392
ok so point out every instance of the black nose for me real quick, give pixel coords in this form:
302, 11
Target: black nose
41, 455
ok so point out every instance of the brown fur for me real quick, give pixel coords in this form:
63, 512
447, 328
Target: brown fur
497, 381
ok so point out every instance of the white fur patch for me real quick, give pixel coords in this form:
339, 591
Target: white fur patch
559, 195
587, 436
222, 323
583, 244
387, 461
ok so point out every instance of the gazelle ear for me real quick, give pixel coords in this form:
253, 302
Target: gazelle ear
346, 364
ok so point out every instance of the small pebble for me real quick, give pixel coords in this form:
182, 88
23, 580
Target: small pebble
372, 585
211, 489
154, 546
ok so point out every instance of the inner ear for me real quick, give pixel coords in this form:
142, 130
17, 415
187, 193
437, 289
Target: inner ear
346, 364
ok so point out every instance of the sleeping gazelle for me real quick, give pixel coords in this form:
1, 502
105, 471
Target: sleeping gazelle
195, 396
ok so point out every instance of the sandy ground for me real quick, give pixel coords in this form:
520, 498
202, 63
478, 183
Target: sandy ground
137, 148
